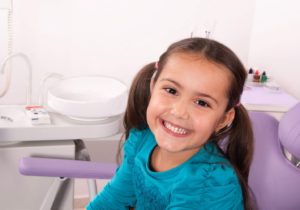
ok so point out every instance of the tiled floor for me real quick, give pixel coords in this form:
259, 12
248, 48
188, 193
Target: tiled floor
81, 193
80, 203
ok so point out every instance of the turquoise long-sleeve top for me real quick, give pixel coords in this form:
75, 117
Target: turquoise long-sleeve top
204, 182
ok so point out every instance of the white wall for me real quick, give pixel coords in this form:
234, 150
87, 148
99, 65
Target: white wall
116, 38
275, 44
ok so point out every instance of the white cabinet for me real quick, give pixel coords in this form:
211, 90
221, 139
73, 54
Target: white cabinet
19, 139
28, 192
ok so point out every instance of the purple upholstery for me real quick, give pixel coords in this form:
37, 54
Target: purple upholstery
289, 131
33, 166
273, 179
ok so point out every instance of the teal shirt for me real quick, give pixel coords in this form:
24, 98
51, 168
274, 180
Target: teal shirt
204, 182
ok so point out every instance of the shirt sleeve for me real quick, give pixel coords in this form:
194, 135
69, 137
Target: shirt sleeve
119, 194
215, 188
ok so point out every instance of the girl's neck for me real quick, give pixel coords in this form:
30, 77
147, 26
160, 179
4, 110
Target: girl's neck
162, 160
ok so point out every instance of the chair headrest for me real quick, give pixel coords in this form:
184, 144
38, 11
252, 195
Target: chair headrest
289, 130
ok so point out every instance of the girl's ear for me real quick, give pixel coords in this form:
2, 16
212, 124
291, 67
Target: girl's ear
152, 79
226, 120
151, 85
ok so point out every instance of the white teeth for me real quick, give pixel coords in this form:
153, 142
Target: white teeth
175, 129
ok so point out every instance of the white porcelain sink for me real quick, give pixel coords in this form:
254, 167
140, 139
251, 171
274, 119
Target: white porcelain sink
88, 98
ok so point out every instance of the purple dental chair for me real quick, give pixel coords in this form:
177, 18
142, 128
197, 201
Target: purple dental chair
274, 174
275, 171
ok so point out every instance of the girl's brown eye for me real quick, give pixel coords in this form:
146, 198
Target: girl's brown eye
202, 103
171, 91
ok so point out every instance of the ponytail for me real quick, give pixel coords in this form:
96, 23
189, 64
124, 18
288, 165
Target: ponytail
240, 144
138, 99
239, 150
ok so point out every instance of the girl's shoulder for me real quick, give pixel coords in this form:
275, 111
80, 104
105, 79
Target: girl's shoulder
212, 166
137, 139
212, 180
214, 186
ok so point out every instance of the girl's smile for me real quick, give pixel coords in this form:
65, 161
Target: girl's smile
174, 130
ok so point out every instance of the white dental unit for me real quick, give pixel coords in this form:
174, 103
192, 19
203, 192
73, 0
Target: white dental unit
84, 107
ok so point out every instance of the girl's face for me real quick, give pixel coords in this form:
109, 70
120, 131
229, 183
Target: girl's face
188, 103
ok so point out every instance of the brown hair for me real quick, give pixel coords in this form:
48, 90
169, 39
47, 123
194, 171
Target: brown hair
238, 138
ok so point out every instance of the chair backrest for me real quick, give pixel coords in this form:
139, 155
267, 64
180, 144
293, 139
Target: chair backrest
274, 180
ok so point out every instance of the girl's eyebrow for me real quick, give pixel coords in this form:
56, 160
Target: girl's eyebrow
197, 93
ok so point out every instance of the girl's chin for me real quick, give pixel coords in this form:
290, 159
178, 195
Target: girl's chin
171, 150
170, 144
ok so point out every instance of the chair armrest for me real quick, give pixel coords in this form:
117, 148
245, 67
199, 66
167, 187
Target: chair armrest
51, 167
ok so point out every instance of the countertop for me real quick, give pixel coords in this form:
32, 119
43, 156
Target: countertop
61, 128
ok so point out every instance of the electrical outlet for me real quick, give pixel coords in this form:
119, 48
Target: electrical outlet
195, 31
209, 28
205, 29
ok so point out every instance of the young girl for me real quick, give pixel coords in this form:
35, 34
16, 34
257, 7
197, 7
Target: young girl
181, 111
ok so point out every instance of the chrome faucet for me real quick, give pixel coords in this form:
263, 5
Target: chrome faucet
8, 77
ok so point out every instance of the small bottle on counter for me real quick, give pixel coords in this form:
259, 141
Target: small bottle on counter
256, 76
250, 75
264, 77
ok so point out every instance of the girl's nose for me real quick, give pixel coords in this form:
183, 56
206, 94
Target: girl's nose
180, 109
